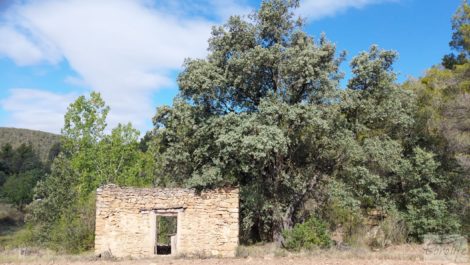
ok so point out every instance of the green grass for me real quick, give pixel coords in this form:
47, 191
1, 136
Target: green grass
12, 227
9, 236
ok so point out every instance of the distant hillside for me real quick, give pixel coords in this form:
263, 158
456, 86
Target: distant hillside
41, 141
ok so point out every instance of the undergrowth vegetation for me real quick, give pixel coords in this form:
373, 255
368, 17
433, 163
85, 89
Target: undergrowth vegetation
310, 234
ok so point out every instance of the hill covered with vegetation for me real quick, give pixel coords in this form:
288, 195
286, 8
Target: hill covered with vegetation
42, 142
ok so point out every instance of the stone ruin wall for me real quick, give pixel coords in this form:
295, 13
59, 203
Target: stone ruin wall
207, 222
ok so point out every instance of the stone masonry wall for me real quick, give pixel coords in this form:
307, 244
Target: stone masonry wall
126, 220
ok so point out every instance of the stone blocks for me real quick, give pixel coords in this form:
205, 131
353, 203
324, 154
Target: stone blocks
207, 222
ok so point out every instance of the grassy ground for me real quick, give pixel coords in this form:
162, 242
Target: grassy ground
258, 255
7, 235
11, 225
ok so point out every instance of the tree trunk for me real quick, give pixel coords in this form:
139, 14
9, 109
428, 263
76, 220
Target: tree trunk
283, 223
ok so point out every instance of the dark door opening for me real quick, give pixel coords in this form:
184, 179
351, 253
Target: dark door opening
166, 234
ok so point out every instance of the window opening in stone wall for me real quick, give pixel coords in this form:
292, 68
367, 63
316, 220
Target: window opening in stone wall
166, 234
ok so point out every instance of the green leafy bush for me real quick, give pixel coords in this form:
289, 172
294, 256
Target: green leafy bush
425, 211
74, 231
342, 211
308, 235
427, 214
166, 228
17, 189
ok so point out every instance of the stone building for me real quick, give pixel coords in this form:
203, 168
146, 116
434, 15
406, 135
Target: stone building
127, 221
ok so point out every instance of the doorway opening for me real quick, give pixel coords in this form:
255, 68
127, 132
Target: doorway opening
166, 234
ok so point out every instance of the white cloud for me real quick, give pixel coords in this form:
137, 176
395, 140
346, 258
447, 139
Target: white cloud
227, 8
124, 49
35, 109
75, 81
316, 9
22, 50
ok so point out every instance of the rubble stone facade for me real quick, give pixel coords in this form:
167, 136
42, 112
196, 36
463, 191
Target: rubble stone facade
207, 222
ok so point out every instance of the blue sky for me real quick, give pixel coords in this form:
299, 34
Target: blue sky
131, 50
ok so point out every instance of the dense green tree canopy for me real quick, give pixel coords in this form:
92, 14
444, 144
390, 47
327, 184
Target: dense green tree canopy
250, 113
264, 111
20, 169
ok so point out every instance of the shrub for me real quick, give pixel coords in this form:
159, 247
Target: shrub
74, 231
343, 212
17, 188
427, 214
308, 235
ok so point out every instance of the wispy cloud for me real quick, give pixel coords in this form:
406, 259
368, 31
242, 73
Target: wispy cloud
22, 50
317, 9
226, 8
36, 109
75, 81
124, 49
